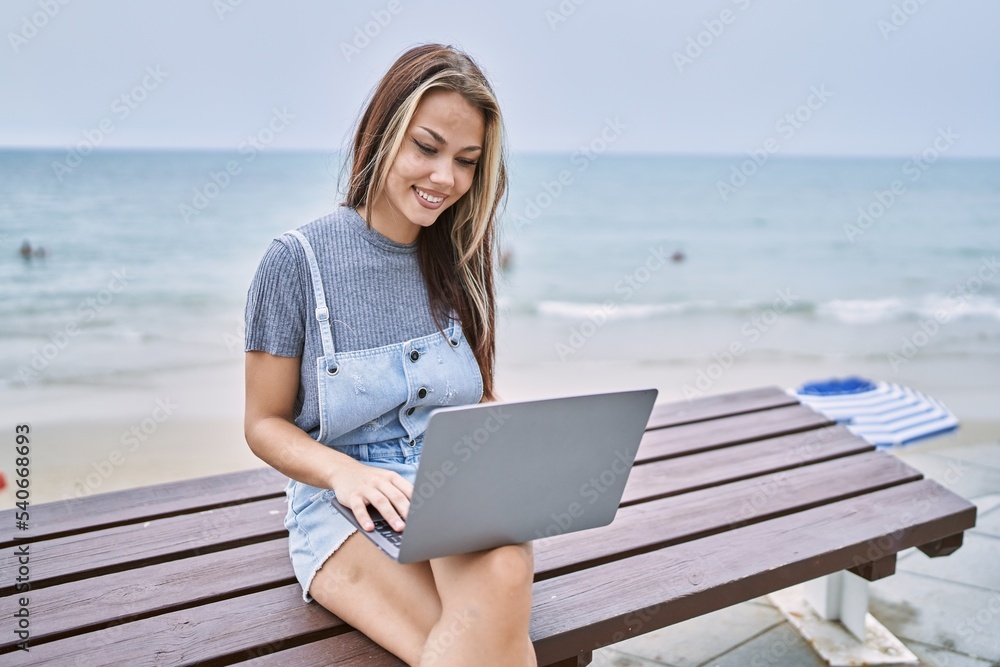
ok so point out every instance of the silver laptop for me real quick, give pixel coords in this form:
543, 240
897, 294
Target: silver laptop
492, 474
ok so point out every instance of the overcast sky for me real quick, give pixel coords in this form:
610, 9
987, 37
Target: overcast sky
866, 77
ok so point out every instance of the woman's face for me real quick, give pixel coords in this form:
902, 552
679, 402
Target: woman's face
434, 166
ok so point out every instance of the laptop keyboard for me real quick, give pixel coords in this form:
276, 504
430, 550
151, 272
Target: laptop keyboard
383, 528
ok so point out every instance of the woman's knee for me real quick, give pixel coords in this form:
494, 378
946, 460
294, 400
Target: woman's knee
514, 563
496, 579
509, 570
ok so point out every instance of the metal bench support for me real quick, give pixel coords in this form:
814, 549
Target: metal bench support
831, 613
841, 596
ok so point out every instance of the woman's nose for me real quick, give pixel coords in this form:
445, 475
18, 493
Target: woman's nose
443, 174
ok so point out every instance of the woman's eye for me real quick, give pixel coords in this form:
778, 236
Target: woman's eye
468, 163
425, 149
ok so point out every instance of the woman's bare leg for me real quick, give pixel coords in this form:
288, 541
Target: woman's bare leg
470, 609
485, 609
395, 605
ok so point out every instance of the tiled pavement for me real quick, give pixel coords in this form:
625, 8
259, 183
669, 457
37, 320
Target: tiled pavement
946, 610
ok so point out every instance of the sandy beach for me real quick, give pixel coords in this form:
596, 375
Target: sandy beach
187, 423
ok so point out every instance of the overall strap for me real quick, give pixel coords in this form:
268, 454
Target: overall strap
322, 312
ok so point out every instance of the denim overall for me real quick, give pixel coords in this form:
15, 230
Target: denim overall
374, 406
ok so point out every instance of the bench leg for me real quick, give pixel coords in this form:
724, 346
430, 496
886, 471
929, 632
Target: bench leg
576, 661
853, 637
841, 596
943, 547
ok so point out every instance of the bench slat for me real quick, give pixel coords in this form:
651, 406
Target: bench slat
351, 649
100, 552
721, 405
247, 626
146, 591
701, 436
678, 475
104, 510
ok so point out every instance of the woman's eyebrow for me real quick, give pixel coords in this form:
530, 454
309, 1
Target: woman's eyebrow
438, 138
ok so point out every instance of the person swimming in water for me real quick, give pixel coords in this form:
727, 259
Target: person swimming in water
28, 252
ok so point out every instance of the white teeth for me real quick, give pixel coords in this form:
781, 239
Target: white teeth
426, 197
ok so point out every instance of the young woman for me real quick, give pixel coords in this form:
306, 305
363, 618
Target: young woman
361, 322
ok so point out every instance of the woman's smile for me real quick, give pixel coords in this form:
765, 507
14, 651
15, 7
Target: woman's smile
429, 198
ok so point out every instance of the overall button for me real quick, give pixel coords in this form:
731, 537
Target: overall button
409, 411
422, 392
414, 355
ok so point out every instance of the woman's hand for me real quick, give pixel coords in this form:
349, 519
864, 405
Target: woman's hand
358, 485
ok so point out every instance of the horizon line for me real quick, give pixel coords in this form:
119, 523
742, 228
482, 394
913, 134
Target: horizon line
528, 152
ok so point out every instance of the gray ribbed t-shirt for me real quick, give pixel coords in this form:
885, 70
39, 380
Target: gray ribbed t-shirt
374, 289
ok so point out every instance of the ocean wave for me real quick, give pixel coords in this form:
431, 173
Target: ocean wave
941, 307
861, 311
843, 311
578, 310
971, 306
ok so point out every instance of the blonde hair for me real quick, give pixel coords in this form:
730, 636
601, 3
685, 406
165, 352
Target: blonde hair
456, 252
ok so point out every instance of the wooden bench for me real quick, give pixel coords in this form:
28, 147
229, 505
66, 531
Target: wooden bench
732, 497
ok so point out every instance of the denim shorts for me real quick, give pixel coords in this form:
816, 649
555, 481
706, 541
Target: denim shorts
315, 529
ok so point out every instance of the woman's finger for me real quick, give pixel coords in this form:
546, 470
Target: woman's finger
360, 509
388, 512
398, 499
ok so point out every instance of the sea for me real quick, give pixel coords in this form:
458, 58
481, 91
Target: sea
140, 260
